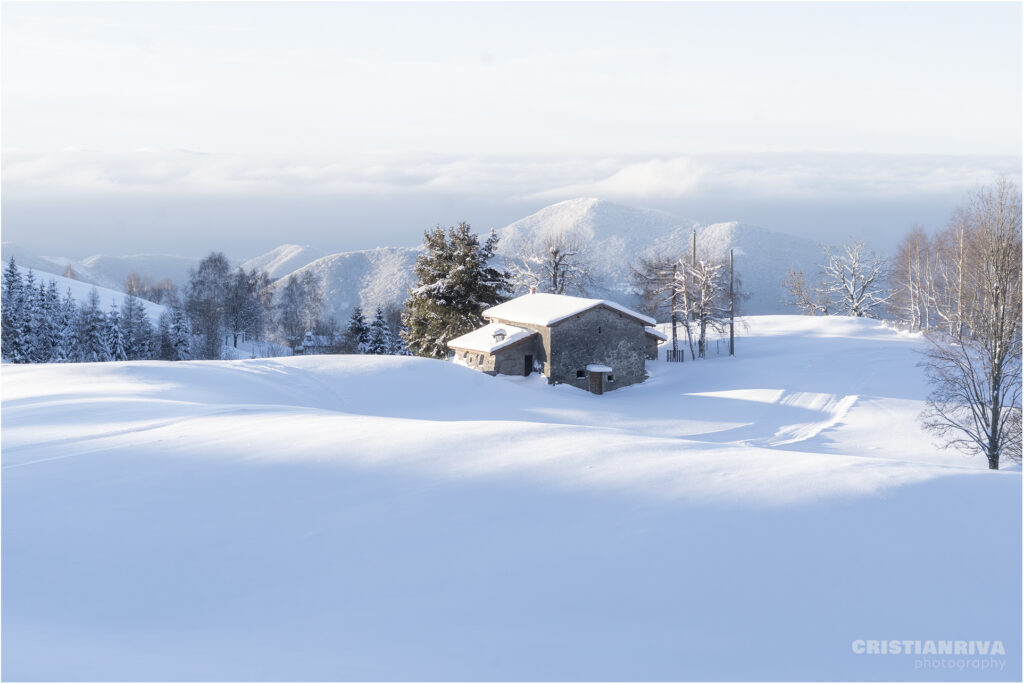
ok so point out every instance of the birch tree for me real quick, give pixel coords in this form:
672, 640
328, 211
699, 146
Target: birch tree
975, 366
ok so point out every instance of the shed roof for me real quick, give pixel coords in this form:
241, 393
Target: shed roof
482, 339
541, 308
654, 332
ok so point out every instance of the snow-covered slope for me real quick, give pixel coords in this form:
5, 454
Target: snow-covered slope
105, 270
391, 518
26, 258
282, 260
616, 235
367, 278
112, 271
80, 292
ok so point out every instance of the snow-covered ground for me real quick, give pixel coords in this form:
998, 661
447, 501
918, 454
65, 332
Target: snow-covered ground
354, 517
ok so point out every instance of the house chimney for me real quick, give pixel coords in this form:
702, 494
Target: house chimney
498, 334
533, 289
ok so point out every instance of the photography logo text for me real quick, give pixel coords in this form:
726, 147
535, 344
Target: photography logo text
947, 654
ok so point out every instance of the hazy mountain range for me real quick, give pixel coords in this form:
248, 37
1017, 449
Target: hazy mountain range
614, 236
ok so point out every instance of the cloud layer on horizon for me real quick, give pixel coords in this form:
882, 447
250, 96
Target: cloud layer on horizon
807, 175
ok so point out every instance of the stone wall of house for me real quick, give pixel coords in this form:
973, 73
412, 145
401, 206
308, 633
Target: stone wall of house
600, 335
541, 344
507, 361
475, 360
652, 347
512, 360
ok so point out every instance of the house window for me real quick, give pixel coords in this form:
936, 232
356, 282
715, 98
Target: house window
598, 330
611, 378
581, 374
480, 358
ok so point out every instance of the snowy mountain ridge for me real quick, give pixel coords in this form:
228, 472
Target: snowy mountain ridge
368, 278
283, 260
615, 236
104, 270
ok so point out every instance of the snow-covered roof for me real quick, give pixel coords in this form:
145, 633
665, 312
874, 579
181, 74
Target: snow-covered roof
482, 339
598, 368
654, 332
541, 308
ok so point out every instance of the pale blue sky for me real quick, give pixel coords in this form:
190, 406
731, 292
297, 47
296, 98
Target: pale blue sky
504, 105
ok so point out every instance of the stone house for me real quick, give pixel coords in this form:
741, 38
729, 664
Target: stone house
315, 344
594, 344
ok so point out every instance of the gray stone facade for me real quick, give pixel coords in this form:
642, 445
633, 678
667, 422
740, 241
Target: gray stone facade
652, 347
509, 360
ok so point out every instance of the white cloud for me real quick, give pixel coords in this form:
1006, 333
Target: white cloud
656, 178
795, 176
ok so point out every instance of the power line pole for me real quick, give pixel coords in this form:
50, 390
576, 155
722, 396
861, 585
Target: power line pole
693, 264
675, 308
732, 311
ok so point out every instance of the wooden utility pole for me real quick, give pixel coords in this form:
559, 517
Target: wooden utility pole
693, 264
732, 311
675, 308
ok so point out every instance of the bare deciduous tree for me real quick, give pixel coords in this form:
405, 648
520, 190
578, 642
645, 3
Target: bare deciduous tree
852, 283
557, 265
810, 300
975, 364
855, 279
658, 281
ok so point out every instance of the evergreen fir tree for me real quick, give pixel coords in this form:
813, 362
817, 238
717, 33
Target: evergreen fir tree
455, 284
115, 335
29, 319
380, 335
399, 347
164, 344
92, 328
11, 313
69, 347
141, 338
54, 318
181, 336
131, 310
41, 322
358, 332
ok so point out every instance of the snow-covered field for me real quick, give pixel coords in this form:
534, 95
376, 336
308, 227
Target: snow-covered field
346, 517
